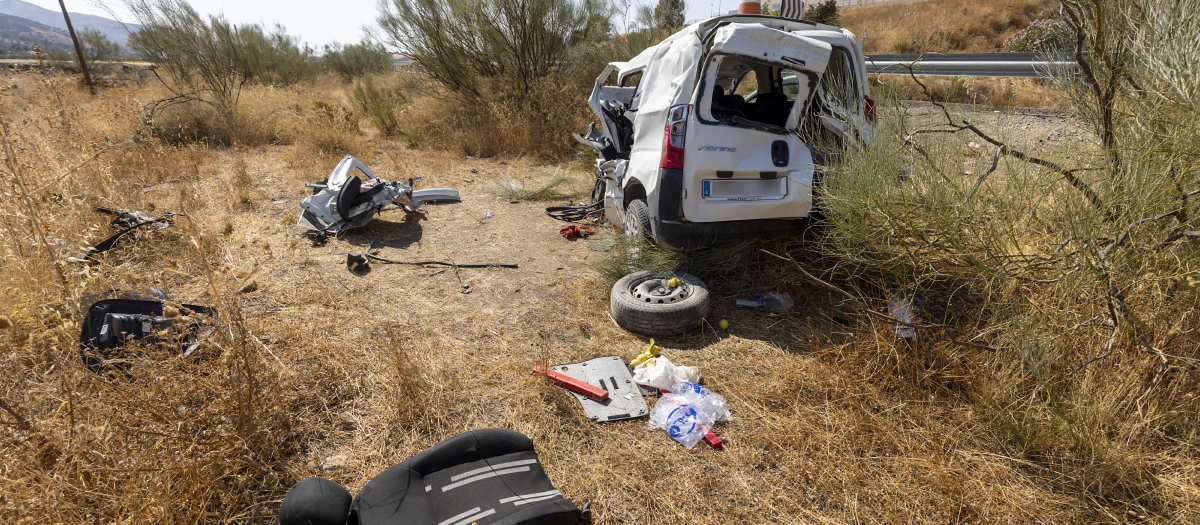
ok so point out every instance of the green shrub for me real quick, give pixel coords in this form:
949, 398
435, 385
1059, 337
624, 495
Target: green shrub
515, 41
356, 60
381, 101
824, 13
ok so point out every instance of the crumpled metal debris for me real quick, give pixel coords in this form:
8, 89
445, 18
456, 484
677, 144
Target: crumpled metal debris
343, 200
126, 222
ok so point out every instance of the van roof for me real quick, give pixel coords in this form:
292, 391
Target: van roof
702, 29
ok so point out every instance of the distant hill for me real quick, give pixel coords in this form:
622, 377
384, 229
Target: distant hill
111, 28
19, 35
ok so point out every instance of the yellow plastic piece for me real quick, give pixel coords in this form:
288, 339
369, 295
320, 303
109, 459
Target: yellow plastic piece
723, 324
673, 282
651, 351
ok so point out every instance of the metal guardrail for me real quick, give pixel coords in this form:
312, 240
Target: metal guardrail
970, 65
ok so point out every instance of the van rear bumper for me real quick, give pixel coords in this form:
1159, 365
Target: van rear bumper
670, 231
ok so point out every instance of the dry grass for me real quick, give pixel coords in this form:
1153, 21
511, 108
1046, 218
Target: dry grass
987, 91
943, 26
502, 122
834, 421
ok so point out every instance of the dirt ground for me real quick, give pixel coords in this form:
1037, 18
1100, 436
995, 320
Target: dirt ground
811, 440
831, 423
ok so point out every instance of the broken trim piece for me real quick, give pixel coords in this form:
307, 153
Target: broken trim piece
126, 222
361, 261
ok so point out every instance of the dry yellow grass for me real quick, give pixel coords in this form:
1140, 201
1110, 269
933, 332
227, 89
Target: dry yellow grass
832, 422
988, 91
943, 26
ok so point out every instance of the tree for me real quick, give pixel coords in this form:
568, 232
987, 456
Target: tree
356, 60
457, 42
98, 51
824, 13
669, 14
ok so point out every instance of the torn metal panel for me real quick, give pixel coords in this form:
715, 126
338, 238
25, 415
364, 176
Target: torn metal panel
343, 200
610, 373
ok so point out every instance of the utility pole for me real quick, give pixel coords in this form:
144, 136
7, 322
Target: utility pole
78, 49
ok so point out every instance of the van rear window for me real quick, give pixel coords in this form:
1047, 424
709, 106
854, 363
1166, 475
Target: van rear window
745, 92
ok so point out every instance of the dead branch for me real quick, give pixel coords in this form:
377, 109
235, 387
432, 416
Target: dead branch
995, 162
1180, 234
21, 422
1003, 149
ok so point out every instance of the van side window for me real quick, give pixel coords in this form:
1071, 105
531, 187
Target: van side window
747, 85
632, 80
836, 90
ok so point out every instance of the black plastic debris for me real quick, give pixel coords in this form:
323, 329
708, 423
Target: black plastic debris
110, 325
125, 223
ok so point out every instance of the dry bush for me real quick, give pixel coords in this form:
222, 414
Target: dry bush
988, 91
504, 122
264, 115
514, 189
943, 26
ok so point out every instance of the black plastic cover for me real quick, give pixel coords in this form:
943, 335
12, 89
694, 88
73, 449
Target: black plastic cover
111, 324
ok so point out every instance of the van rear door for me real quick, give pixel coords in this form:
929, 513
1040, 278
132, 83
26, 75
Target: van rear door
742, 158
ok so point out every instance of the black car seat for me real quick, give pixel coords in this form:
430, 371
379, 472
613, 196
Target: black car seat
488, 477
771, 108
351, 195
728, 102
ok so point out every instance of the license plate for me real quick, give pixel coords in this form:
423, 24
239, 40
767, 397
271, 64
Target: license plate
745, 189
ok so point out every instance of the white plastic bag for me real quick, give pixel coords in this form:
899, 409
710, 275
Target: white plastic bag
687, 412
660, 373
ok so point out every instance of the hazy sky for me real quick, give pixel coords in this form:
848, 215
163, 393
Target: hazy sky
316, 22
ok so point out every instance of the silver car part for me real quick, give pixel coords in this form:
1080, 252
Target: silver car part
321, 211
610, 373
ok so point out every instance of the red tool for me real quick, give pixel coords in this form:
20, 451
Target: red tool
596, 393
712, 440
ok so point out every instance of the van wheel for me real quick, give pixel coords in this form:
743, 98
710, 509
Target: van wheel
644, 303
637, 220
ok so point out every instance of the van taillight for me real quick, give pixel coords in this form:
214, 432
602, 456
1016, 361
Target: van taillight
869, 108
672, 151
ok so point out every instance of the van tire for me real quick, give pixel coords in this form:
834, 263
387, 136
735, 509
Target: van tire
664, 311
637, 220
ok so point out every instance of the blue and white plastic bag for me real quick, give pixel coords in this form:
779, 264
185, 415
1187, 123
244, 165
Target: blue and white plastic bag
687, 412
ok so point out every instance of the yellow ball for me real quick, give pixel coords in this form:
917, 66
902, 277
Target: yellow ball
723, 324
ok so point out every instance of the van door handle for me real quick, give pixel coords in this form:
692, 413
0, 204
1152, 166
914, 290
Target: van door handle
779, 153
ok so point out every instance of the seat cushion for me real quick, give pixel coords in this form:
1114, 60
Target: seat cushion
490, 490
346, 195
315, 501
396, 496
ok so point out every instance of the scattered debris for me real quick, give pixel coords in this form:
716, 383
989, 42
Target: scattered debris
488, 215
126, 222
902, 307
333, 462
773, 301
360, 262
343, 201
651, 351
688, 412
574, 231
621, 398
111, 324
659, 372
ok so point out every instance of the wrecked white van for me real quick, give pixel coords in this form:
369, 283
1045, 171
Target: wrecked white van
717, 132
